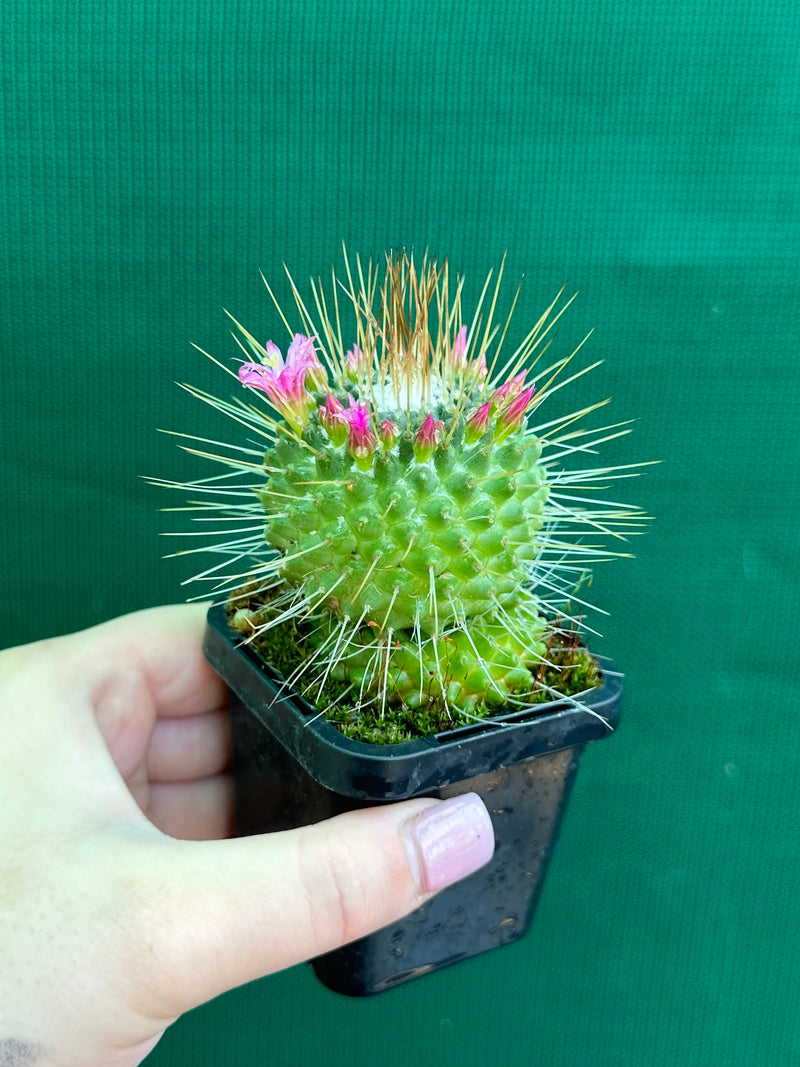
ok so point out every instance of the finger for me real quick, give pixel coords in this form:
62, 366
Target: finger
193, 811
140, 668
222, 913
165, 646
196, 746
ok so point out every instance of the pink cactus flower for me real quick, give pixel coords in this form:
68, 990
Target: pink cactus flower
274, 359
284, 382
302, 356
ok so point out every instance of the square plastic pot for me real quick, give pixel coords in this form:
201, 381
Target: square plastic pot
292, 768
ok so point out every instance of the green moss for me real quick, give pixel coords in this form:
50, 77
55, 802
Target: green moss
568, 669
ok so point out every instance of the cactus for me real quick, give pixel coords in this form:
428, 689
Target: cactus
411, 544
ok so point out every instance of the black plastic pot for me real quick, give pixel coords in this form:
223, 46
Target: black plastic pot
293, 768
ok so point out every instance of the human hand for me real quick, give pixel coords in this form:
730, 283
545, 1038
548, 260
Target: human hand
114, 746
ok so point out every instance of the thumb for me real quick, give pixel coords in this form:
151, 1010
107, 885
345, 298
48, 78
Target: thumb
225, 912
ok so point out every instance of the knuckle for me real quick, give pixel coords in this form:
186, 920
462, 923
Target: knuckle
341, 888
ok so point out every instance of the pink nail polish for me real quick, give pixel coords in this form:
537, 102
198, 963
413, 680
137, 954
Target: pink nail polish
453, 839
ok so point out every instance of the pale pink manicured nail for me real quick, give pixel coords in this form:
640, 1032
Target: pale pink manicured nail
453, 839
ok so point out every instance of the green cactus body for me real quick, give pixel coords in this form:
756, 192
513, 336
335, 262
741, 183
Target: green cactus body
418, 542
428, 551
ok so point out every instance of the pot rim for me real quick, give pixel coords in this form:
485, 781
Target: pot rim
406, 769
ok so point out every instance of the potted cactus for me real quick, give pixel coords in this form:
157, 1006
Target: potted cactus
397, 611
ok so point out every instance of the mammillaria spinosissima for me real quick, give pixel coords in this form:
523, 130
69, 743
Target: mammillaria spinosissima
418, 539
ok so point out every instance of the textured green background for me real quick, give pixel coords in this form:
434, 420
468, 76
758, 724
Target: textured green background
157, 155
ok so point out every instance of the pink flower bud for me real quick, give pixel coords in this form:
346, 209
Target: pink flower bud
332, 420
477, 370
478, 423
389, 432
427, 437
513, 414
508, 390
354, 363
458, 355
361, 441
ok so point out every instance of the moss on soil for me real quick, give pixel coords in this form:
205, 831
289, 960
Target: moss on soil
569, 671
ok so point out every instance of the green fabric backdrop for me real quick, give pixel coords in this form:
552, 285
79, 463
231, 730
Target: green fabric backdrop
156, 156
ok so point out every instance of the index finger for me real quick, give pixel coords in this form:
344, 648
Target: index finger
165, 645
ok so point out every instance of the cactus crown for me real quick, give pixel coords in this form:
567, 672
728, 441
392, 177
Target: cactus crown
411, 546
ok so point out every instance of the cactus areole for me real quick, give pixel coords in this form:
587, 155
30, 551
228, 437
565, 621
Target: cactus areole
407, 545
